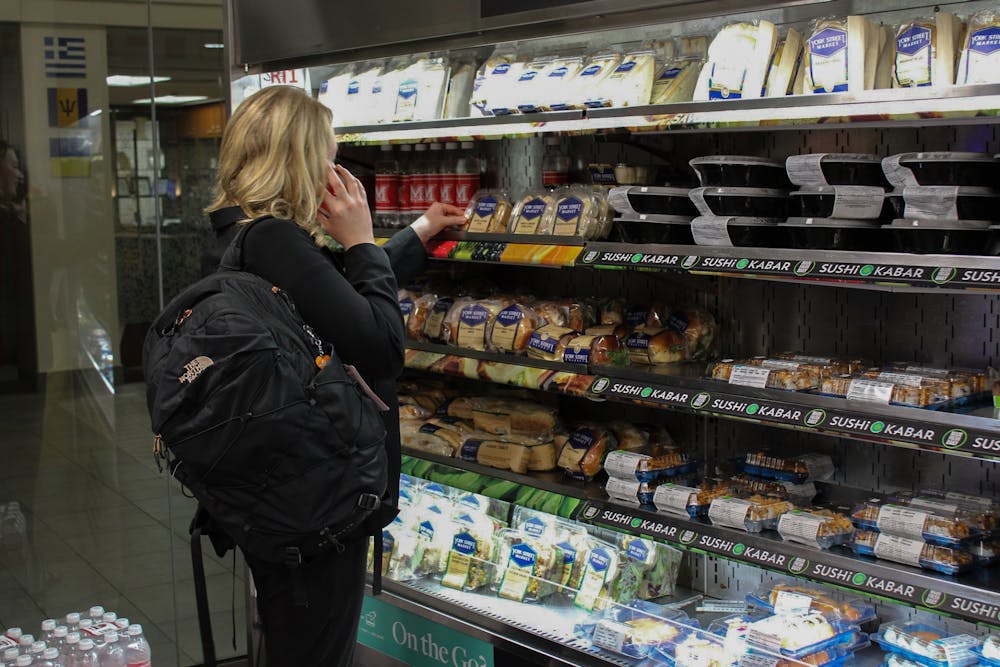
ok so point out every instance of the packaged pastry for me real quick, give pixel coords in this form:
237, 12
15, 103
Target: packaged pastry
744, 484
753, 514
815, 528
926, 644
981, 513
829, 366
989, 652
501, 416
597, 576
434, 533
689, 500
794, 596
468, 322
582, 455
488, 212
656, 345
549, 342
470, 560
674, 81
932, 389
528, 568
798, 469
738, 61
630, 83
434, 323
762, 373
592, 349
926, 51
531, 213
964, 380
800, 634
509, 452
980, 60
419, 308
436, 436
575, 213
634, 629
913, 552
590, 86
698, 327
947, 529
512, 328
630, 465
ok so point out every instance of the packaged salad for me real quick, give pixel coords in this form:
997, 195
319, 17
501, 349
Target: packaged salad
647, 569
470, 559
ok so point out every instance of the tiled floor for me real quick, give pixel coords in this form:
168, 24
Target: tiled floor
92, 523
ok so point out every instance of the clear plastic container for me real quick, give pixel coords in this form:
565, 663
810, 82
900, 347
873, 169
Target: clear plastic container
787, 375
927, 645
648, 569
576, 213
794, 635
793, 596
981, 513
828, 366
744, 484
796, 469
597, 576
816, 528
470, 560
646, 468
911, 552
952, 529
434, 532
532, 212
488, 212
692, 501
527, 568
754, 514
635, 629
989, 652
985, 553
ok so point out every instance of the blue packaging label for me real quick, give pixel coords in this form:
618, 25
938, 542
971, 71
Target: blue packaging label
429, 429
636, 317
470, 449
637, 550
669, 74
827, 42
486, 206
678, 322
323, 87
502, 68
408, 90
510, 316
568, 552
354, 87
569, 209
582, 439
600, 559
590, 70
443, 305
426, 530
474, 315
464, 543
543, 343
625, 67
581, 356
559, 72
406, 307
528, 76
436, 490
524, 556
637, 341
534, 527
985, 41
914, 39
533, 209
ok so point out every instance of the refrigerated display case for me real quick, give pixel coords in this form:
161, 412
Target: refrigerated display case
912, 297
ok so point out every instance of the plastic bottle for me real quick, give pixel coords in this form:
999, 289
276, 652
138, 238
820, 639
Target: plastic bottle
468, 169
70, 652
435, 170
25, 642
137, 650
48, 627
418, 181
122, 625
555, 165
24, 661
386, 189
405, 178
84, 624
58, 639
96, 612
109, 617
87, 655
10, 656
50, 658
449, 174
73, 621
38, 648
112, 653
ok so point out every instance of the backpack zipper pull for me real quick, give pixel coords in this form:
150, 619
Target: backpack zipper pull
158, 450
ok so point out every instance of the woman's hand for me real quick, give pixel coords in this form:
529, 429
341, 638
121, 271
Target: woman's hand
438, 218
343, 212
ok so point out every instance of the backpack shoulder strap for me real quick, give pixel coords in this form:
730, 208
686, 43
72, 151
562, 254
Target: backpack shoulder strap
233, 259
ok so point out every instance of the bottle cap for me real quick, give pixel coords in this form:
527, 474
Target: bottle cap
86, 622
420, 147
24, 660
48, 625
73, 638
11, 654
73, 618
14, 633
51, 653
38, 647
86, 644
109, 617
61, 631
26, 640
435, 146
122, 623
111, 637
135, 629
406, 148
96, 611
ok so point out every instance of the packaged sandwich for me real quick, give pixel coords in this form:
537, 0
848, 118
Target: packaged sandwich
927, 645
559, 78
698, 327
815, 528
470, 560
647, 569
528, 88
652, 315
981, 513
575, 214
508, 417
488, 212
549, 342
441, 435
937, 527
531, 213
656, 345
674, 81
419, 308
512, 329
573, 315
598, 575
841, 54
634, 466
630, 83
592, 349
926, 51
910, 551
434, 323
528, 569
785, 597
753, 514
582, 455
434, 532
591, 87
738, 60
763, 373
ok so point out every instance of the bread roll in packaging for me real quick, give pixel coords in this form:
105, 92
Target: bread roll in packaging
549, 342
980, 60
698, 327
469, 321
738, 62
582, 455
419, 309
488, 212
512, 328
435, 436
656, 345
435, 329
592, 349
532, 213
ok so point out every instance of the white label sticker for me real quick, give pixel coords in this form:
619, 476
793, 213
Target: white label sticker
750, 376
934, 505
806, 169
930, 203
899, 549
800, 527
756, 660
787, 602
781, 364
711, 230
730, 512
896, 173
621, 489
901, 521
674, 498
858, 202
870, 390
905, 379
609, 635
623, 465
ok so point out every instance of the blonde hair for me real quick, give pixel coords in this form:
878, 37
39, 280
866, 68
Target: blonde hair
274, 154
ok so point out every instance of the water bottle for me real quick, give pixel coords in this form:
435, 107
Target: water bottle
38, 648
387, 190
24, 661
87, 655
96, 612
112, 654
73, 621
50, 658
25, 642
122, 625
85, 623
59, 637
109, 617
10, 657
70, 651
137, 650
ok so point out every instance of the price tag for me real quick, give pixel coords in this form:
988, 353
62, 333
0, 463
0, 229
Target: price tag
755, 660
858, 202
906, 379
899, 549
750, 376
730, 512
801, 527
674, 498
896, 173
623, 489
780, 364
806, 169
710, 230
624, 464
902, 521
871, 391
609, 635
787, 602
931, 202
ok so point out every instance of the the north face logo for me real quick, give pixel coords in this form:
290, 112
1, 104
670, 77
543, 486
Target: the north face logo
194, 368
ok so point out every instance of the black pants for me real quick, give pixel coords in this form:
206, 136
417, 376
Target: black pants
324, 633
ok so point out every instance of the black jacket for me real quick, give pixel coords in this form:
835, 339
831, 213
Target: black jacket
349, 298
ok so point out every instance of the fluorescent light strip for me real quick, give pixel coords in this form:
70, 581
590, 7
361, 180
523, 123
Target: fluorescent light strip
126, 80
214, 45
172, 99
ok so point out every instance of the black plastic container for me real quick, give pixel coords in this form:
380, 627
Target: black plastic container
654, 229
739, 231
943, 168
950, 203
641, 199
834, 234
740, 171
819, 169
741, 202
949, 237
848, 202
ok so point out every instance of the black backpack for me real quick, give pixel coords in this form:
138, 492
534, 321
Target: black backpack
286, 454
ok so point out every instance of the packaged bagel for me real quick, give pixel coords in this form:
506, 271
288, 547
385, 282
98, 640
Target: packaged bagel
583, 452
573, 315
468, 322
531, 213
511, 329
575, 212
488, 212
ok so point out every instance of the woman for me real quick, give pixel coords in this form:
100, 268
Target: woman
277, 160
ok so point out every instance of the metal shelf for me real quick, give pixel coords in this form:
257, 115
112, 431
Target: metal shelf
879, 108
973, 597
684, 390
